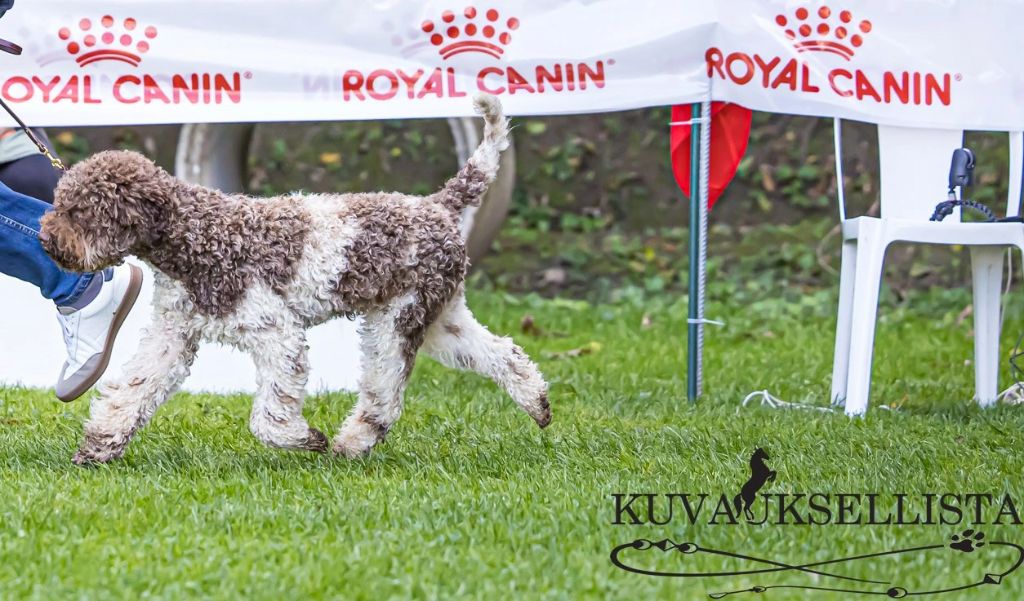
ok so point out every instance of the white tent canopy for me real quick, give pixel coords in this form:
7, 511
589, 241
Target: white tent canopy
930, 63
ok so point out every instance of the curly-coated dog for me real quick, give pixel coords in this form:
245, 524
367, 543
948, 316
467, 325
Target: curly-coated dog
255, 273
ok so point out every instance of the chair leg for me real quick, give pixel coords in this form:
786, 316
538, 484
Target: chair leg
870, 258
987, 272
844, 321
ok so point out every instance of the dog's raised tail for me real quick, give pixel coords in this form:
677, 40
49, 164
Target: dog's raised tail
471, 182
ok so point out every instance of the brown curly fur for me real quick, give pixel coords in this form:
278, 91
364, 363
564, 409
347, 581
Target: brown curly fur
380, 267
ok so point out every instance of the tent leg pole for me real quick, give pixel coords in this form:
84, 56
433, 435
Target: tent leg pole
693, 358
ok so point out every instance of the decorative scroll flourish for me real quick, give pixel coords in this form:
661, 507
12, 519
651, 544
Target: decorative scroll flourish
968, 541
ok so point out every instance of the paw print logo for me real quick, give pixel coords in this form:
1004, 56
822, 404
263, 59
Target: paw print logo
967, 541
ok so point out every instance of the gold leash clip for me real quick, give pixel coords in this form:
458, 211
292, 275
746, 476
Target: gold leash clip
55, 161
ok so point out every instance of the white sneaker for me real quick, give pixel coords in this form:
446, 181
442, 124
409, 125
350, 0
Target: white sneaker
89, 332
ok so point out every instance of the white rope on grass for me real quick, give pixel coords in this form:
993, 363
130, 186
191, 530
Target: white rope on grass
773, 402
1014, 395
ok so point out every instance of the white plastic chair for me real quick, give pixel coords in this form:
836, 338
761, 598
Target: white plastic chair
914, 174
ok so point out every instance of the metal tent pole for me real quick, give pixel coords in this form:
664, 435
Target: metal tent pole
694, 327
702, 262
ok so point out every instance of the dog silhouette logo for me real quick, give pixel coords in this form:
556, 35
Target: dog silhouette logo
759, 475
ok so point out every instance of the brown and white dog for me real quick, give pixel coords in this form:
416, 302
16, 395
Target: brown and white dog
256, 273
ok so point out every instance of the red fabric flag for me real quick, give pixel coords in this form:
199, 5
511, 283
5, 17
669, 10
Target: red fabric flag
730, 130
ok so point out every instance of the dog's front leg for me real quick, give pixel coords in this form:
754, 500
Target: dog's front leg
282, 368
388, 345
158, 368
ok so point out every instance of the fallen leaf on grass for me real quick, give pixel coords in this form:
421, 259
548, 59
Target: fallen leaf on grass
529, 327
963, 315
554, 276
767, 181
330, 158
587, 349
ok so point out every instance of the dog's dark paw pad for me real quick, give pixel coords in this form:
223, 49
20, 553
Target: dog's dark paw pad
317, 441
543, 418
89, 457
967, 541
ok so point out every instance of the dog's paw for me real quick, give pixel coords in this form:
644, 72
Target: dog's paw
543, 416
352, 444
89, 456
356, 438
316, 442
349, 452
98, 447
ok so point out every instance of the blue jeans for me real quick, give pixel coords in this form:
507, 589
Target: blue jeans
22, 256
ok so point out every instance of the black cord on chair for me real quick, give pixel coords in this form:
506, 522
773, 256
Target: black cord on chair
945, 209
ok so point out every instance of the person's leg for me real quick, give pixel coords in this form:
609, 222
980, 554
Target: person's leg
91, 307
21, 255
32, 176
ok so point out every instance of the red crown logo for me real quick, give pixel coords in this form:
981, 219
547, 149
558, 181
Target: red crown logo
822, 31
107, 40
456, 34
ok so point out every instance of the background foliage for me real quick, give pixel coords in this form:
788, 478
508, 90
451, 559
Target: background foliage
596, 211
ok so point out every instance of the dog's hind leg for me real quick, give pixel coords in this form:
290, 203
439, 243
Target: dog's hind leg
282, 369
459, 341
389, 340
124, 406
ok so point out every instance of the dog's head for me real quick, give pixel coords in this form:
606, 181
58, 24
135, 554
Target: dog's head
103, 208
760, 453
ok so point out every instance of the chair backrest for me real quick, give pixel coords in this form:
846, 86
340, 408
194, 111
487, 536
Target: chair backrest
914, 170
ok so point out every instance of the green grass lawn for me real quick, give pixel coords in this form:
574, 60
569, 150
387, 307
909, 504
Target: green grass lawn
468, 499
